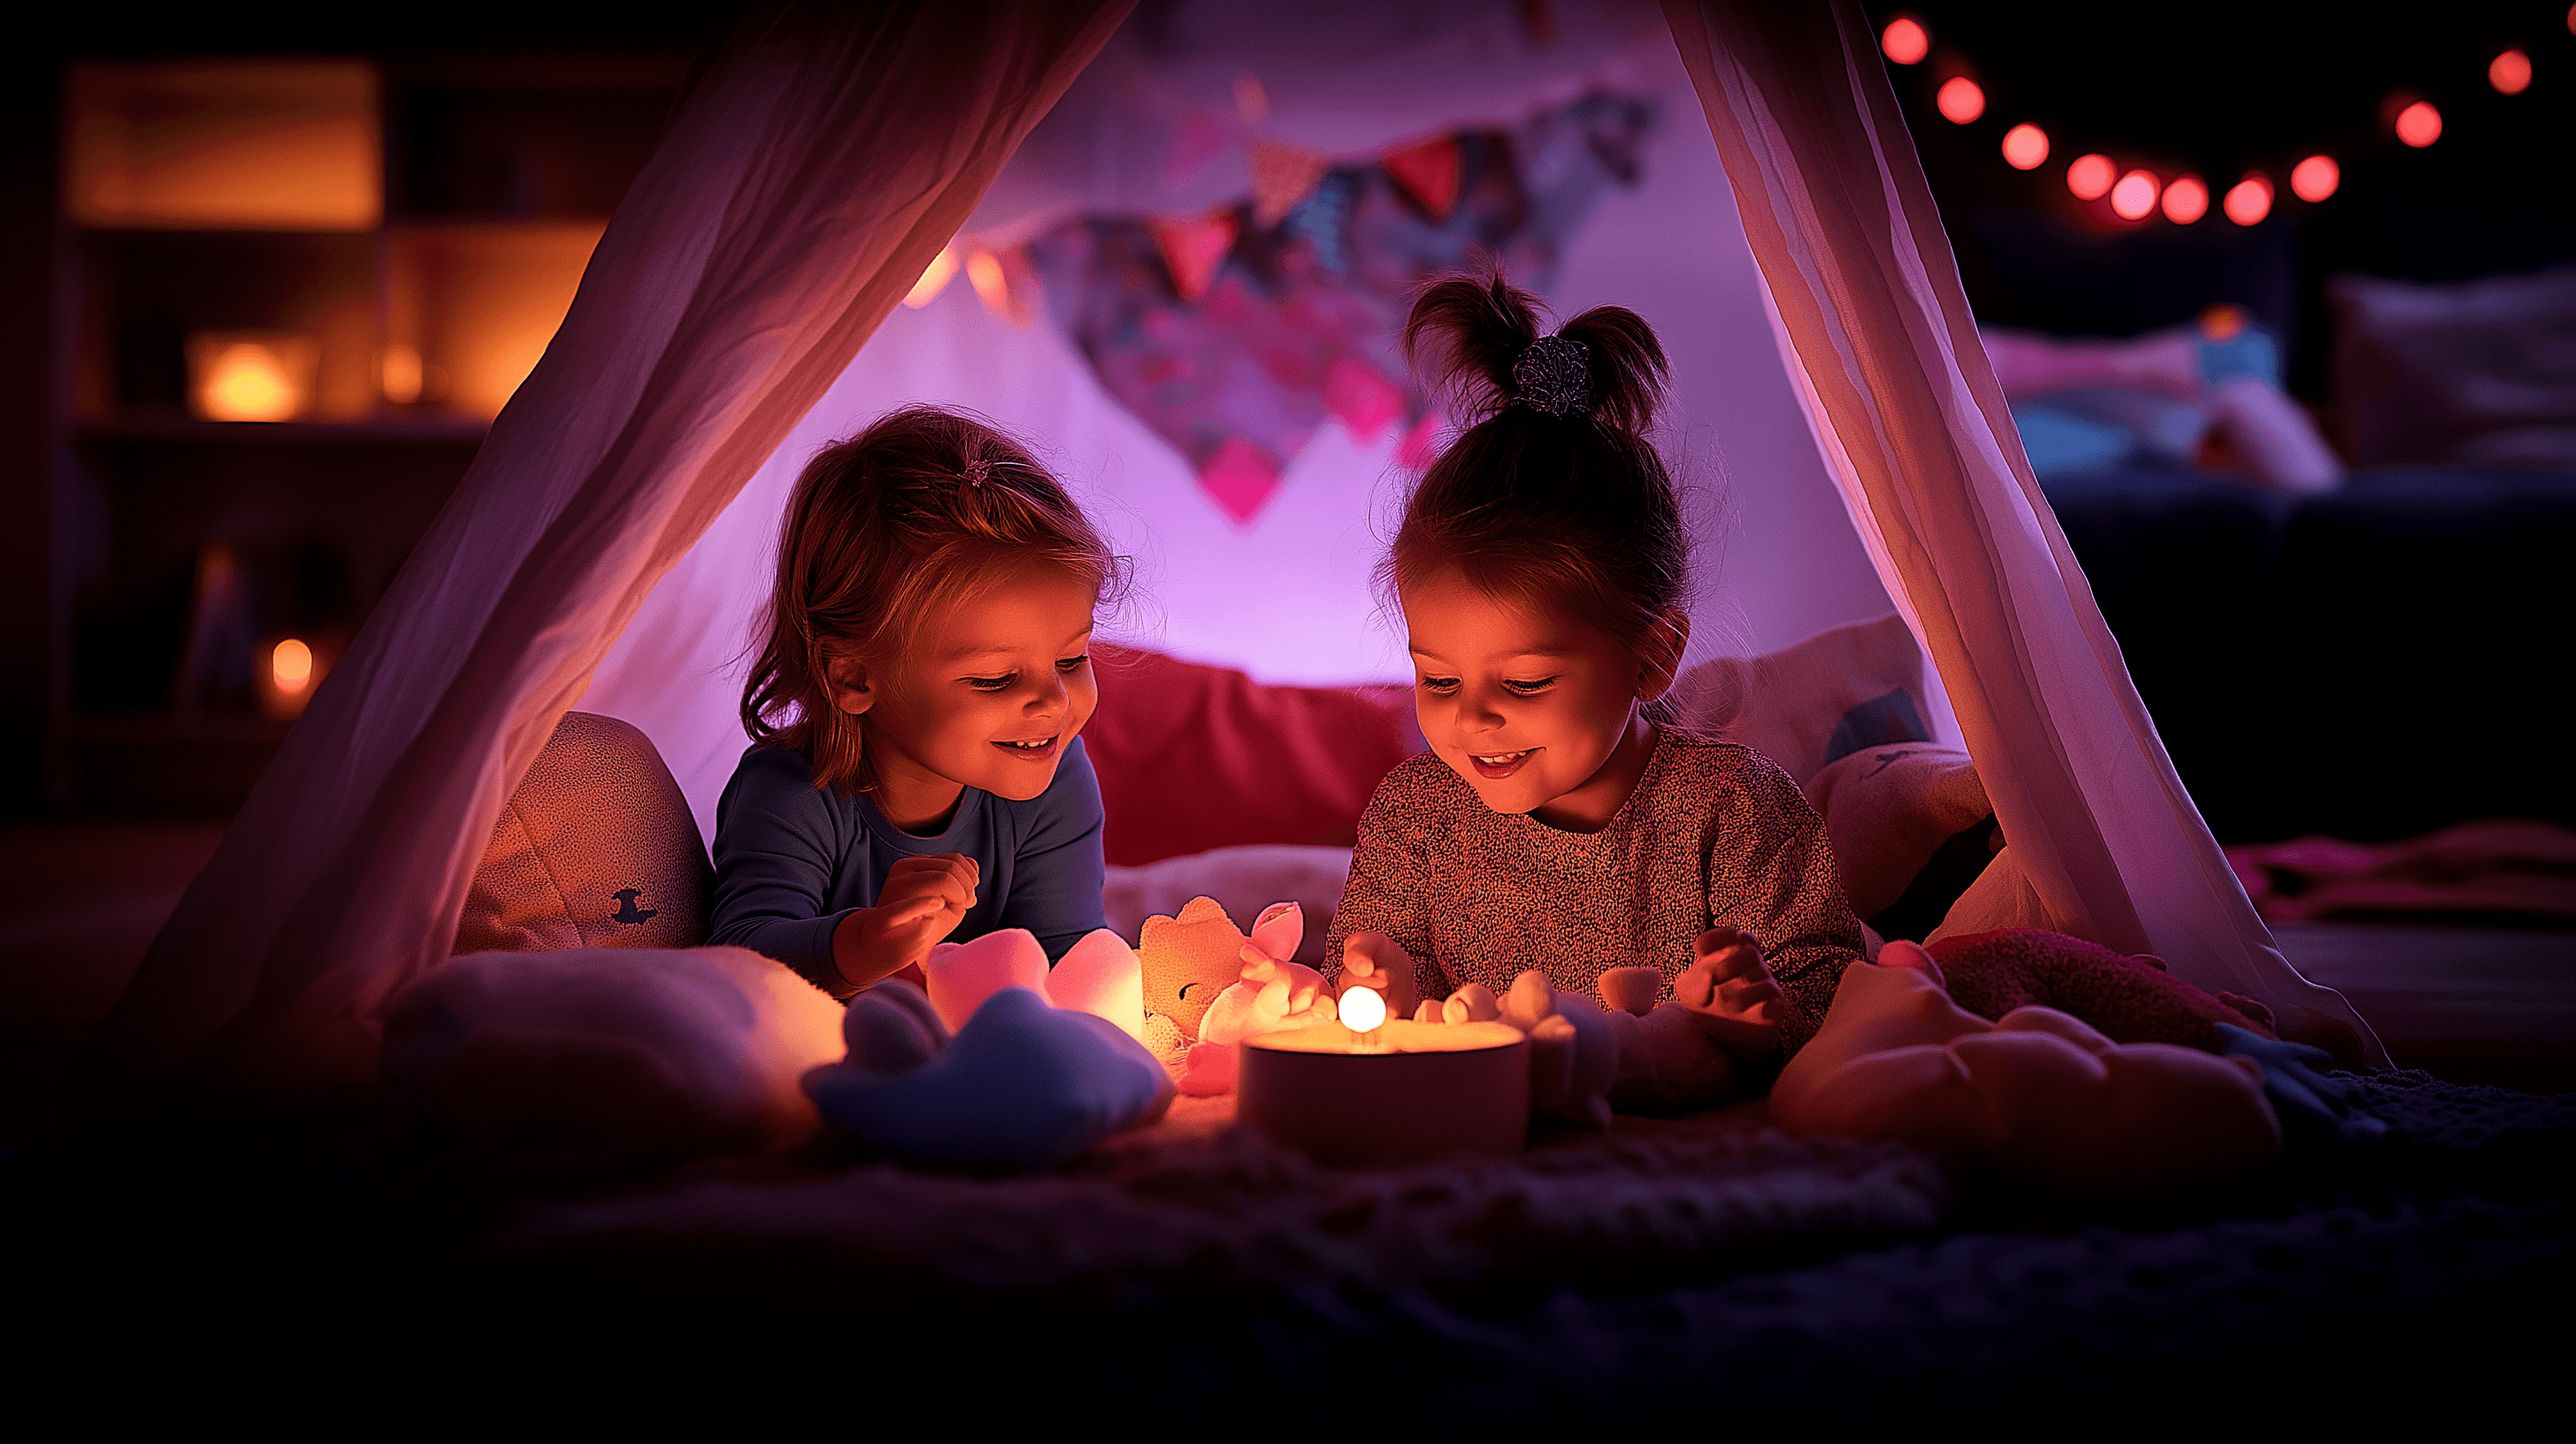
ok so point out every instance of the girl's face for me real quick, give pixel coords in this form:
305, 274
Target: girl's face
1537, 712
990, 695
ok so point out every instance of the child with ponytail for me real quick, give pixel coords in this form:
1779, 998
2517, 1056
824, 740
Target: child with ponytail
1564, 822
916, 773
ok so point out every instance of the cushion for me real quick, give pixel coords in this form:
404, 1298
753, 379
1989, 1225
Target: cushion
1813, 703
2476, 372
1243, 880
1911, 829
1192, 757
595, 850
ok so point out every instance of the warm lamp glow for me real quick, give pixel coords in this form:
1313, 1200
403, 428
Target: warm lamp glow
934, 278
1905, 41
400, 374
2315, 178
290, 666
224, 144
1960, 100
2510, 72
984, 270
2090, 177
480, 303
2186, 200
2135, 196
2025, 147
2249, 201
251, 377
2419, 125
1362, 1009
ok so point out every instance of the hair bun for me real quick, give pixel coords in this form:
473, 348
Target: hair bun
1554, 376
1477, 340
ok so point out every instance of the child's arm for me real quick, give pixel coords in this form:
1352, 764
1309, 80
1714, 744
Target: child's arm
1771, 874
1381, 924
1058, 869
781, 846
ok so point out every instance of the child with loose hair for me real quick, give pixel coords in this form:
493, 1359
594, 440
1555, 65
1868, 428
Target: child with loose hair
916, 772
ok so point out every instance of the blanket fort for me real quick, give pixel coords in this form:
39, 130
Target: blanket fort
811, 176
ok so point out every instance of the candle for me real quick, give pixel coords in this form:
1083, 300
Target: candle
1370, 1090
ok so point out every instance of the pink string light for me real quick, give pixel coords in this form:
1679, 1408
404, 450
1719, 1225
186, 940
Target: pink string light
2419, 125
1960, 100
2248, 201
2025, 147
1905, 41
2135, 196
2090, 177
2186, 200
2510, 72
2315, 178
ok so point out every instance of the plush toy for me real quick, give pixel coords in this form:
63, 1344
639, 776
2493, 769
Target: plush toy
1001, 1061
1208, 987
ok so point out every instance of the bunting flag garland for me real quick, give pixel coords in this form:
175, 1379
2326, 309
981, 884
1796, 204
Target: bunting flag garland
1430, 173
1282, 177
1193, 249
1237, 334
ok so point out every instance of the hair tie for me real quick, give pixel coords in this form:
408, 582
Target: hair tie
977, 470
1554, 376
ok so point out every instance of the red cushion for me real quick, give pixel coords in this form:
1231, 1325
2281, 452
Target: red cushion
1193, 757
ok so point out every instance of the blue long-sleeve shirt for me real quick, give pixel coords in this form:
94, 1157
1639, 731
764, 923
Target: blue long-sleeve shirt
793, 860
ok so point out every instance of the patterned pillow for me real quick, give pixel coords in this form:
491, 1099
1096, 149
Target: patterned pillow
595, 850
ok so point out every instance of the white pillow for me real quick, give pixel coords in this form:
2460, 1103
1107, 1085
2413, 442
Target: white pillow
1244, 879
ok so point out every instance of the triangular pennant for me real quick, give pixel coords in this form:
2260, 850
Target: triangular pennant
1361, 399
1282, 176
1241, 476
1430, 174
1193, 249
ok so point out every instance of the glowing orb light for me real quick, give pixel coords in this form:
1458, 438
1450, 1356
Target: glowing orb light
290, 666
399, 374
2186, 200
2510, 72
1959, 100
2135, 196
2248, 201
2315, 178
1362, 1009
2025, 147
1905, 41
2090, 177
250, 380
2419, 125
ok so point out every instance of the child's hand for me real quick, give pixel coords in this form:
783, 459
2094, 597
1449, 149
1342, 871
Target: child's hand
1731, 989
923, 901
1374, 960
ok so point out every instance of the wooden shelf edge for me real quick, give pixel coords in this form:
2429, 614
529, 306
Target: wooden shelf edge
399, 430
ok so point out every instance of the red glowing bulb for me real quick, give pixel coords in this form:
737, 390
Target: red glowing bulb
2510, 72
1960, 100
1905, 41
2135, 195
2315, 178
2186, 200
2419, 125
2248, 201
2025, 147
2090, 177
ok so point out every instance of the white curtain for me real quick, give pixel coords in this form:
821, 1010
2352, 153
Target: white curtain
1884, 354
812, 172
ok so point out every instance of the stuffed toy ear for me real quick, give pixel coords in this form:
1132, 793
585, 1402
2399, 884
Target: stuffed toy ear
962, 976
1279, 929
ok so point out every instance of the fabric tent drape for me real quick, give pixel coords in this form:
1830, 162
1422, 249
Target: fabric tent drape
812, 172
1878, 339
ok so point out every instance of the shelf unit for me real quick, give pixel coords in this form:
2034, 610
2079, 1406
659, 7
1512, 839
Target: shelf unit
428, 295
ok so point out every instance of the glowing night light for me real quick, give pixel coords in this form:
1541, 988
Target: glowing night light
2090, 177
2315, 178
290, 666
2419, 125
2186, 200
1959, 100
399, 374
1905, 41
2248, 201
2025, 147
1362, 1009
2135, 196
2510, 72
934, 278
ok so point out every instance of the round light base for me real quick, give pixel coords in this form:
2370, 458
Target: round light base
1435, 1089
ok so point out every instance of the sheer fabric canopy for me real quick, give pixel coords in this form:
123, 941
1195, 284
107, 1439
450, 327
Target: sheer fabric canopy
819, 162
